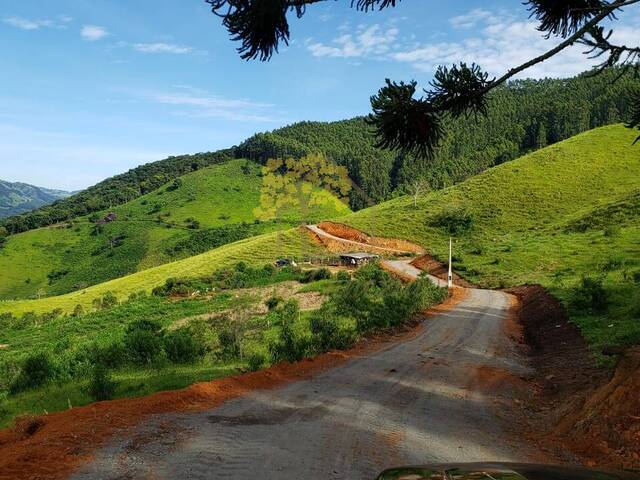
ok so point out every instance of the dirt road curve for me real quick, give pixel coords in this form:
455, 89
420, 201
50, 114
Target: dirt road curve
412, 402
404, 267
318, 231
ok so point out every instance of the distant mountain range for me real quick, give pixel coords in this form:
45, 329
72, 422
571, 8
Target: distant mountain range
16, 198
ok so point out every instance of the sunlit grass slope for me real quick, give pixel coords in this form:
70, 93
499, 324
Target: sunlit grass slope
256, 251
64, 258
551, 217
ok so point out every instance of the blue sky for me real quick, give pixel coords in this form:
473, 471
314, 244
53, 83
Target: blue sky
91, 88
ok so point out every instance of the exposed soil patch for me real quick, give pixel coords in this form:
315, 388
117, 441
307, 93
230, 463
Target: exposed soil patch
54, 445
354, 235
439, 270
579, 406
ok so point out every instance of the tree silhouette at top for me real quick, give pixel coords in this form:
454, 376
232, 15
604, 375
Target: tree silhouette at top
415, 124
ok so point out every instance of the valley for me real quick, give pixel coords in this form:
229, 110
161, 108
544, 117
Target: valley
320, 239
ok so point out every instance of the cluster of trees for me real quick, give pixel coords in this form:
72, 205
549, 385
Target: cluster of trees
522, 116
372, 301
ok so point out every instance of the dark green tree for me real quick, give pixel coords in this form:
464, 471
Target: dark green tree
416, 125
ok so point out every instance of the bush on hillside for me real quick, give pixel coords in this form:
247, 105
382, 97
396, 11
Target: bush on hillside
177, 183
37, 370
255, 361
327, 333
113, 355
144, 343
229, 341
272, 302
101, 384
309, 276
183, 346
343, 276
290, 345
453, 220
590, 295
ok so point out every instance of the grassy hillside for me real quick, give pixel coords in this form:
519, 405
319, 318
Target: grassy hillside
255, 251
550, 217
201, 211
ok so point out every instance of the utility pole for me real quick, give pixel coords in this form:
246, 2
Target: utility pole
450, 277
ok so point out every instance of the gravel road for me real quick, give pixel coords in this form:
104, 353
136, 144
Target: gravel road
413, 401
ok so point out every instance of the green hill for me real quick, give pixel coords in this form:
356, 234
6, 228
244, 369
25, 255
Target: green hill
257, 250
200, 211
551, 217
522, 116
17, 198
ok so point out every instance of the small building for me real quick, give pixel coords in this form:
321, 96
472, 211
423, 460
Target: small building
110, 217
285, 262
357, 259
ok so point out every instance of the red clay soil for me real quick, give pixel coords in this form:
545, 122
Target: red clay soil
53, 446
350, 233
578, 407
439, 270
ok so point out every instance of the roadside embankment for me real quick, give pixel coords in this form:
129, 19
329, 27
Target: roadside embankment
590, 411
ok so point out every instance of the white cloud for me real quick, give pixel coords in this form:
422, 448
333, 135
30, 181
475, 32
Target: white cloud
161, 48
500, 43
27, 24
36, 24
93, 33
371, 41
497, 42
470, 19
200, 104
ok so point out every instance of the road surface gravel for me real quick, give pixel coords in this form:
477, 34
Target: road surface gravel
414, 401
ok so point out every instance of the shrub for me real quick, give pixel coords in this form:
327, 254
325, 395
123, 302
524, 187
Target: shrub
113, 355
109, 300
327, 333
273, 302
229, 342
255, 361
183, 346
177, 183
309, 276
78, 311
37, 370
101, 384
454, 220
143, 342
374, 276
290, 345
343, 276
612, 264
636, 276
611, 231
590, 295
6, 320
